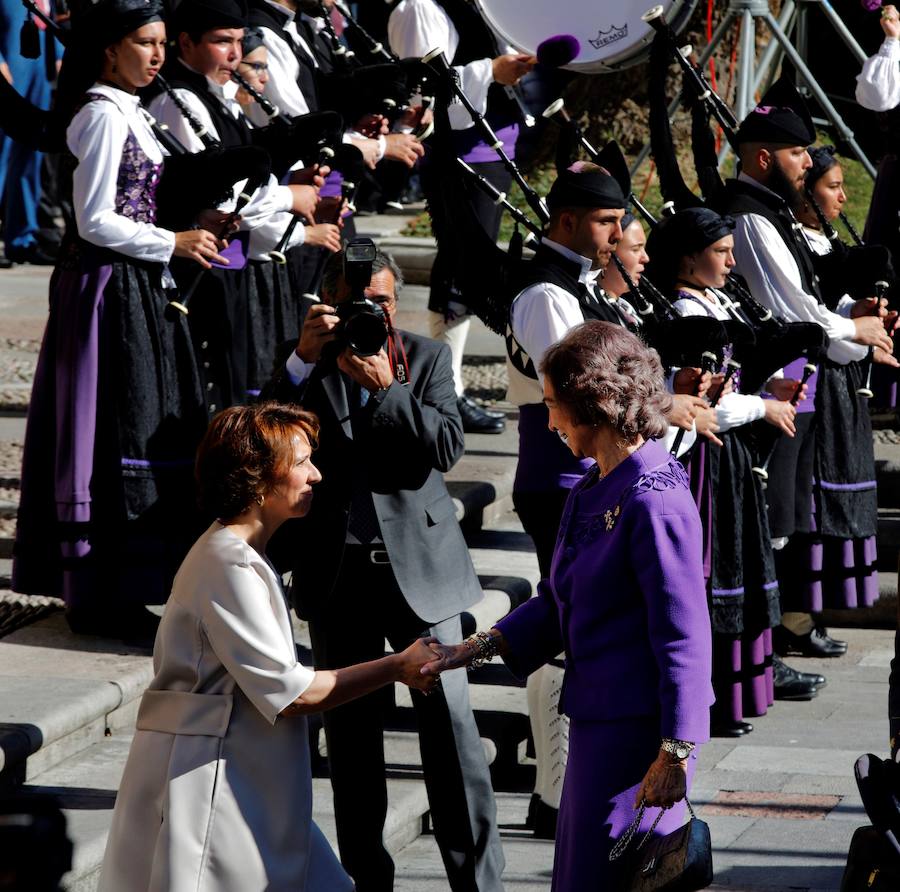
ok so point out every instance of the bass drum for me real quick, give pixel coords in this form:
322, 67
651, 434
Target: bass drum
611, 33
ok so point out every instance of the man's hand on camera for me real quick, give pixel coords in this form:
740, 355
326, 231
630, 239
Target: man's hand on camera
318, 330
372, 372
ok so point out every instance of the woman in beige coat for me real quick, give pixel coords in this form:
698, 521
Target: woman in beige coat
216, 794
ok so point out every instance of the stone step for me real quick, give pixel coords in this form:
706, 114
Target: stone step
61, 694
86, 785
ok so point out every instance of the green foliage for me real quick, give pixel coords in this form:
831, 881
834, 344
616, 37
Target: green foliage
858, 186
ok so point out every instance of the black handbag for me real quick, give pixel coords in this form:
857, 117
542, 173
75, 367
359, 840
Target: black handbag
872, 863
681, 861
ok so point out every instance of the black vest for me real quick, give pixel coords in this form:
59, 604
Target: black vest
264, 15
550, 266
232, 131
740, 198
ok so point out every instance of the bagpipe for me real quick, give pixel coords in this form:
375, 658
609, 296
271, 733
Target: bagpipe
762, 343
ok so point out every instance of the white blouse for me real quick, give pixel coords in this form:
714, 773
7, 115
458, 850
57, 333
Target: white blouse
415, 28
733, 409
878, 85
96, 137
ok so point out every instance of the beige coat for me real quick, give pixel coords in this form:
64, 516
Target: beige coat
216, 795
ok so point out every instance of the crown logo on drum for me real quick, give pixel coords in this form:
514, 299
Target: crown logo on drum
604, 38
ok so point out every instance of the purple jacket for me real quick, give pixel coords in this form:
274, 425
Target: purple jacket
626, 601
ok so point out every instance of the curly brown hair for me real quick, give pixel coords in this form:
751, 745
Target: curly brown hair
247, 450
603, 374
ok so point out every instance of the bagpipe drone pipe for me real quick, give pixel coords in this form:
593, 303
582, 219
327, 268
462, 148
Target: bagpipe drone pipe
772, 343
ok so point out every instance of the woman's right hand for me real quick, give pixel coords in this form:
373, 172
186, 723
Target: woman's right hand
323, 235
200, 245
781, 415
410, 662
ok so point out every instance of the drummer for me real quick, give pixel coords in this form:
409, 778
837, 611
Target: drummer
414, 29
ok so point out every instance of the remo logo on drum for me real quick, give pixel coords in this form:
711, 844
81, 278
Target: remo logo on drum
611, 35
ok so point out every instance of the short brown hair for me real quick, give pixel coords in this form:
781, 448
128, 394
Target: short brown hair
603, 374
246, 451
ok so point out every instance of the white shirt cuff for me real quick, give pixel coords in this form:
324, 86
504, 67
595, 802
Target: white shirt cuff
298, 370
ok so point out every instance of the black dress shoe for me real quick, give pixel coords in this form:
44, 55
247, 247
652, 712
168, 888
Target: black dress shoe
728, 728
541, 818
817, 643
33, 254
789, 684
491, 413
476, 421
813, 678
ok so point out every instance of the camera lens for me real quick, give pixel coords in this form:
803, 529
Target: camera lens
365, 332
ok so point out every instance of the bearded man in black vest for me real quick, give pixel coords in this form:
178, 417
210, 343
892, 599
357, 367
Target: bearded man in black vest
776, 261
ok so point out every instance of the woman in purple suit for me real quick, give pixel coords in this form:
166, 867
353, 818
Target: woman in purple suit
625, 600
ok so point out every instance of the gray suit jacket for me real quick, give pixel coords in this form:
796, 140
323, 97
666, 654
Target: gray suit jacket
401, 442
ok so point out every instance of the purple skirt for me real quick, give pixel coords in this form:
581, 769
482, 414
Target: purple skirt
842, 573
607, 762
742, 676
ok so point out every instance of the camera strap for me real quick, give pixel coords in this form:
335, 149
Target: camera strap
397, 356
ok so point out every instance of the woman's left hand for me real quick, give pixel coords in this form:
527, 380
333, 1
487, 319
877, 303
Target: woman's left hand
665, 783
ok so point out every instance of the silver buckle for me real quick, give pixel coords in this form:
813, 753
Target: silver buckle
379, 556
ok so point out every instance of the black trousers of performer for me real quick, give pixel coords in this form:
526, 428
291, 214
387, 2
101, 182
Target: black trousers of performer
789, 493
365, 608
540, 514
790, 488
442, 290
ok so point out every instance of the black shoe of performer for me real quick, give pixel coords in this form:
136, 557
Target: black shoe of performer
491, 413
729, 728
817, 643
541, 818
813, 678
790, 684
475, 420
32, 254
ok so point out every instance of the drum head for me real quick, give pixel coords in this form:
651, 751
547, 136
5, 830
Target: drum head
611, 33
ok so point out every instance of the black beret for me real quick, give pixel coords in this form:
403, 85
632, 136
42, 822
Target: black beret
781, 118
585, 189
685, 232
252, 40
199, 16
108, 21
822, 161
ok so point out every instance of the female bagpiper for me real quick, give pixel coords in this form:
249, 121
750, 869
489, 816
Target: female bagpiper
116, 411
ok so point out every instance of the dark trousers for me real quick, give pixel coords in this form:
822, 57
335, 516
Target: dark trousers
540, 513
366, 607
789, 488
443, 288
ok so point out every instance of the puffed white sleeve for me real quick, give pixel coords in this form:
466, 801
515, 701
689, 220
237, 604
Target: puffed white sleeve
415, 28
96, 138
773, 277
542, 315
878, 85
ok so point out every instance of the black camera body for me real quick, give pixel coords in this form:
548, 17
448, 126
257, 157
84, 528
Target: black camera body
363, 322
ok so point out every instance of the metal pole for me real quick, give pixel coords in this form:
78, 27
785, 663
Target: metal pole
771, 57
832, 113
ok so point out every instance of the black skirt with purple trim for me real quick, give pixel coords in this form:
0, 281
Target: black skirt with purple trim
839, 561
116, 413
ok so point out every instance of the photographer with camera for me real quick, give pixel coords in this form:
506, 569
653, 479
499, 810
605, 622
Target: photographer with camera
381, 555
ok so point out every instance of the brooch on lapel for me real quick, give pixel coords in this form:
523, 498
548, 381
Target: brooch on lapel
611, 517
